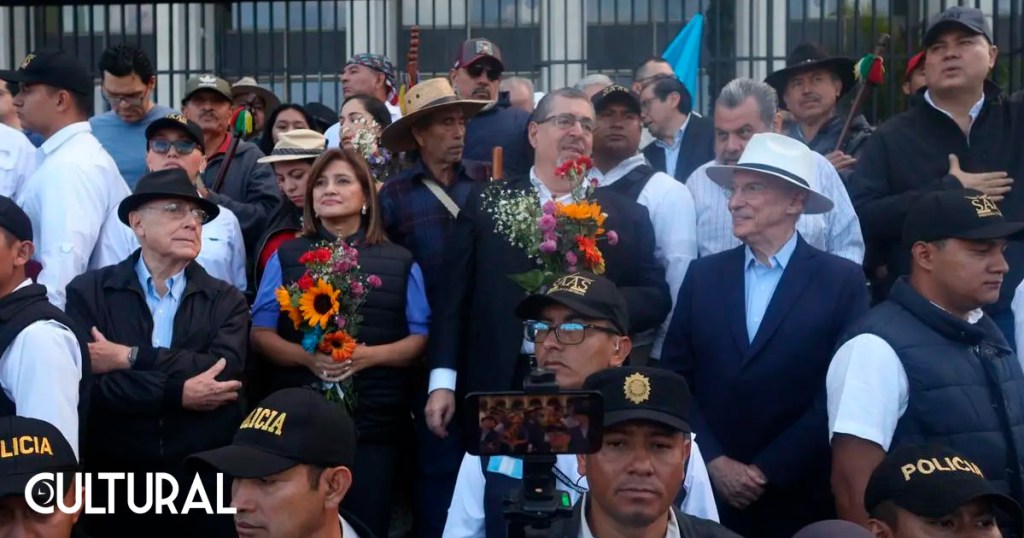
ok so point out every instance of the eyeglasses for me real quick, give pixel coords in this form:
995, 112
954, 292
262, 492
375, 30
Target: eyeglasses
567, 121
568, 333
182, 147
475, 70
179, 210
130, 100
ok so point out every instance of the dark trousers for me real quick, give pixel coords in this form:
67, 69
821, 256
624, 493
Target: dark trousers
779, 513
437, 468
373, 478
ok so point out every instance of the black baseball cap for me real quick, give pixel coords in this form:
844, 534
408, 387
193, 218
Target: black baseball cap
957, 214
654, 394
965, 18
290, 427
30, 446
181, 123
53, 67
476, 49
585, 293
14, 219
616, 93
933, 481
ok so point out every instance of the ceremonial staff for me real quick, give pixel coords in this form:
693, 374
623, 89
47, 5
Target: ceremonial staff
870, 71
241, 123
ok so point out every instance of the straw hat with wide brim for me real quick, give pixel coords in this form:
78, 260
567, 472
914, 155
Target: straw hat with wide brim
425, 98
297, 145
246, 85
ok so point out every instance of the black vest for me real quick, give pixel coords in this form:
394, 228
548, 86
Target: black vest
382, 393
23, 308
633, 183
966, 386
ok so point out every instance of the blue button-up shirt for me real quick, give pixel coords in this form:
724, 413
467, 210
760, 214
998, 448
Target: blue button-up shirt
672, 152
163, 308
760, 281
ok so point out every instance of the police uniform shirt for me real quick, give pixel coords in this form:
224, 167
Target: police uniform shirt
17, 160
40, 372
72, 200
223, 250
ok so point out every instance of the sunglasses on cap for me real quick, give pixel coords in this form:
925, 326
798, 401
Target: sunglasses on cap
182, 147
477, 69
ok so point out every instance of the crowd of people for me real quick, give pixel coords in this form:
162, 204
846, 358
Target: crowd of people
797, 328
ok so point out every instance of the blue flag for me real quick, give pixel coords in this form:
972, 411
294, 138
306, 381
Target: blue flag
683, 53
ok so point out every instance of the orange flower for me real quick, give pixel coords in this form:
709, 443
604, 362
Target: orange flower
583, 211
588, 247
339, 345
285, 300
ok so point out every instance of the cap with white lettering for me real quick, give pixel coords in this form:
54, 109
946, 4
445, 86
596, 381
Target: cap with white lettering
933, 481
30, 446
288, 428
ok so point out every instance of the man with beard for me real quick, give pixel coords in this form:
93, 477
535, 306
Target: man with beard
682, 140
367, 74
809, 88
476, 74
619, 167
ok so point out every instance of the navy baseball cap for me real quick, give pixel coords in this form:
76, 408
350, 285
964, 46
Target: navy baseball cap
962, 17
652, 394
30, 446
14, 219
616, 94
957, 214
53, 67
585, 293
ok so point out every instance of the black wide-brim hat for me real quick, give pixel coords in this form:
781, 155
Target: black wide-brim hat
170, 183
808, 57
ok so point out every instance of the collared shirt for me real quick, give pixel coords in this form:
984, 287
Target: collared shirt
760, 281
674, 219
72, 200
672, 151
223, 251
836, 232
671, 532
973, 112
162, 307
40, 372
17, 160
333, 133
346, 530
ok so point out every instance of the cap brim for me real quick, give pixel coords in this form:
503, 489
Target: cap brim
843, 67
398, 135
1007, 230
532, 306
933, 33
243, 461
626, 415
618, 98
15, 76
814, 204
167, 123
278, 158
269, 99
133, 202
13, 485
936, 502
479, 57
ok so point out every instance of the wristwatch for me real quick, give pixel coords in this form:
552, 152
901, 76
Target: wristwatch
133, 354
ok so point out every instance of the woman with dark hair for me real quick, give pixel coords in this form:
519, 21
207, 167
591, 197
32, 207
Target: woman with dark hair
360, 112
340, 201
284, 118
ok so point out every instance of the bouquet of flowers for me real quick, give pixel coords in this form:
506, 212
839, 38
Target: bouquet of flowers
367, 143
324, 304
561, 238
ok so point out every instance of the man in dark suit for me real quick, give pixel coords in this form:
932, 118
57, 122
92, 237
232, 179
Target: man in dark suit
475, 331
683, 140
754, 330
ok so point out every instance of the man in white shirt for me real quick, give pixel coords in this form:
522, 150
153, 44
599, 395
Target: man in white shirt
619, 167
17, 160
744, 108
73, 195
42, 359
367, 74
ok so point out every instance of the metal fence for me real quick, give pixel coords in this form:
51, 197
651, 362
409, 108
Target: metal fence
299, 47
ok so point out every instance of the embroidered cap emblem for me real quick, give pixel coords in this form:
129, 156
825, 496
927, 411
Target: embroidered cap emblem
208, 80
573, 284
984, 206
637, 388
28, 59
484, 47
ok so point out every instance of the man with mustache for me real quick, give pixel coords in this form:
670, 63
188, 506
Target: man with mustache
928, 365
367, 74
683, 140
809, 88
966, 134
250, 188
476, 74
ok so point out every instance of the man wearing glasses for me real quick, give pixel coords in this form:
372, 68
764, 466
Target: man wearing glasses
168, 344
683, 140
579, 327
476, 74
129, 81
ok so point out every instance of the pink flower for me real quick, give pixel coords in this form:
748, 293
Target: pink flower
374, 281
571, 259
357, 289
613, 238
342, 266
547, 223
340, 322
549, 208
548, 247
550, 236
593, 182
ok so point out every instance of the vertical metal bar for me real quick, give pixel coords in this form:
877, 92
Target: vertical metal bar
305, 58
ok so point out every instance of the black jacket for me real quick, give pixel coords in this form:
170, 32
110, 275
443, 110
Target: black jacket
249, 190
474, 328
137, 419
689, 526
500, 125
696, 148
287, 217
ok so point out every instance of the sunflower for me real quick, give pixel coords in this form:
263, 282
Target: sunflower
319, 303
285, 300
582, 211
339, 345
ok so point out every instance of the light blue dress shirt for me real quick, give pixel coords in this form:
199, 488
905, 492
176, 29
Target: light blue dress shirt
672, 152
162, 308
760, 282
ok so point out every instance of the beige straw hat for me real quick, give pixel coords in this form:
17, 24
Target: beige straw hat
422, 99
295, 145
247, 85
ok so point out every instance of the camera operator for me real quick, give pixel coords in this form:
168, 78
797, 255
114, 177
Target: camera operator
635, 475
579, 328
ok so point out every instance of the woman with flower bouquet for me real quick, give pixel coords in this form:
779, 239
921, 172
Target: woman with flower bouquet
344, 310
362, 119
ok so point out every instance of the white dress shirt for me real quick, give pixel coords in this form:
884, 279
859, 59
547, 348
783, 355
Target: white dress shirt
672, 151
223, 250
1017, 307
72, 200
333, 133
836, 232
17, 160
466, 513
674, 219
346, 530
40, 372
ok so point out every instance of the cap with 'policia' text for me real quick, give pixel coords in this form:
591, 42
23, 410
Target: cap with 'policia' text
933, 481
295, 426
589, 295
53, 67
652, 394
957, 214
30, 446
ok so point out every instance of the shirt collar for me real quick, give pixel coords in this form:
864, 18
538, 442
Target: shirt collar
779, 259
973, 112
346, 530
175, 284
620, 170
973, 317
27, 282
678, 140
542, 189
672, 532
65, 134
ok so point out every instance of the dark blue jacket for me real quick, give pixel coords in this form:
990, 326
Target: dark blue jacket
763, 403
500, 125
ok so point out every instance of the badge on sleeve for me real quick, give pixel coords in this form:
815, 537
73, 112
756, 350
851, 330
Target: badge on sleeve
510, 467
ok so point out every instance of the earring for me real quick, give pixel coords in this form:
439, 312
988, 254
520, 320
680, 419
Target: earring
364, 209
